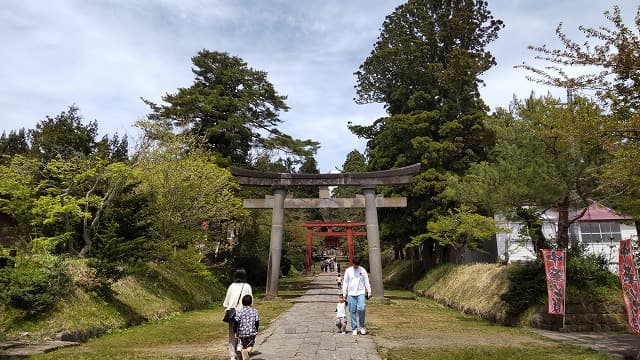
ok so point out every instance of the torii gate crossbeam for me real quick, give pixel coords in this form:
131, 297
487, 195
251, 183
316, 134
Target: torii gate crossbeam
349, 233
366, 180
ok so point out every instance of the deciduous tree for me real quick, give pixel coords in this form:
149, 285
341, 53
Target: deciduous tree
546, 157
185, 187
608, 67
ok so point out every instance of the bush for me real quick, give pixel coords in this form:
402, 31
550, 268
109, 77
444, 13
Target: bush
589, 277
112, 255
527, 287
34, 284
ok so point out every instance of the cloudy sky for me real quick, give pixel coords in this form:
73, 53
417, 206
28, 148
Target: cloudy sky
104, 55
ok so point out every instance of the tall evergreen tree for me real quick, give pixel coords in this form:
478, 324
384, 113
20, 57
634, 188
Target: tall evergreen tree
63, 135
425, 68
233, 107
14, 143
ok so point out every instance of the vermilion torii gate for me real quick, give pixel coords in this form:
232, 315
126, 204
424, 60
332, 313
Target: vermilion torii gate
349, 233
278, 202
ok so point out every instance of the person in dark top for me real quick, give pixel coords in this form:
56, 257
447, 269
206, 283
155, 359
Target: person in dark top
247, 322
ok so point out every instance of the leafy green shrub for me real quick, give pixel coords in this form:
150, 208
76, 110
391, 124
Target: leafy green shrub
589, 277
112, 254
34, 284
527, 287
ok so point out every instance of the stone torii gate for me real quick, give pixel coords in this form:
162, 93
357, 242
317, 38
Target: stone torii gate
278, 202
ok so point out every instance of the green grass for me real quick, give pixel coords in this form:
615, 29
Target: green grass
199, 334
489, 353
402, 274
413, 327
151, 292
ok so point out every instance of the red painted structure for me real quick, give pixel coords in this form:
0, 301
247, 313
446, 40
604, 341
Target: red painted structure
330, 234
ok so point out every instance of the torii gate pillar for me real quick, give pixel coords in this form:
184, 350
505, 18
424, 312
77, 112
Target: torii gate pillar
373, 240
275, 244
368, 181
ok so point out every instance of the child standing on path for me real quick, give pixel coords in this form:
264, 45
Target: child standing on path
247, 322
339, 281
341, 315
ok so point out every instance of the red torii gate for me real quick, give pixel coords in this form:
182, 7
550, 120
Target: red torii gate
330, 225
370, 201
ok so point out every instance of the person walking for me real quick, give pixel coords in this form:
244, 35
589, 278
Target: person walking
247, 323
341, 315
235, 292
355, 287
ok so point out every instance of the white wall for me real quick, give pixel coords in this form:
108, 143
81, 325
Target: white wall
520, 247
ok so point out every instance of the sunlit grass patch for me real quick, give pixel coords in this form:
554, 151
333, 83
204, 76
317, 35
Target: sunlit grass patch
199, 334
421, 328
494, 353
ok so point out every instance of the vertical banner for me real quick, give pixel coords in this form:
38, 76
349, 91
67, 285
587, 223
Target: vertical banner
630, 286
554, 266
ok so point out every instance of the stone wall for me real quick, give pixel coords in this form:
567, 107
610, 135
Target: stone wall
597, 316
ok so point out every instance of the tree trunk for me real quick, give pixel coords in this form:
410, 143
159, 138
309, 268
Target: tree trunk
563, 223
87, 227
438, 255
533, 223
398, 253
428, 254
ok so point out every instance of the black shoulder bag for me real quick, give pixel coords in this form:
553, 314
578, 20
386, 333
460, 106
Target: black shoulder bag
230, 313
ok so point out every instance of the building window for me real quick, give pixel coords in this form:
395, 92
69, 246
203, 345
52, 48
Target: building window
600, 231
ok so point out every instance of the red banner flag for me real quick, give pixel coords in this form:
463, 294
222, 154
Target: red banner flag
554, 266
630, 286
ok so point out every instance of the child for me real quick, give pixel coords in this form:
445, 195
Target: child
341, 315
247, 321
339, 281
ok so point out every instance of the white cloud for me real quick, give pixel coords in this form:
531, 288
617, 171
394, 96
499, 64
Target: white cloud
104, 55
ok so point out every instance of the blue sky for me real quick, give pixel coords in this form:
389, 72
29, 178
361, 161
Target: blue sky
103, 56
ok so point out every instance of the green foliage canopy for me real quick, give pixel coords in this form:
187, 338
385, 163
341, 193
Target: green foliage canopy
547, 156
608, 61
426, 67
232, 106
185, 187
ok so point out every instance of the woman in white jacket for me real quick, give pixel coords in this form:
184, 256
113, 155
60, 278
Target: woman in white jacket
235, 292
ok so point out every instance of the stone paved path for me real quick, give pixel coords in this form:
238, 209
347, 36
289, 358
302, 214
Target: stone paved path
307, 330
625, 345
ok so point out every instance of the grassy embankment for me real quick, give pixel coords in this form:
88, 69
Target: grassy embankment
198, 334
153, 291
410, 327
416, 327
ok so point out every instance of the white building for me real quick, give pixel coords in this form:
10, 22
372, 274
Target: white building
600, 229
